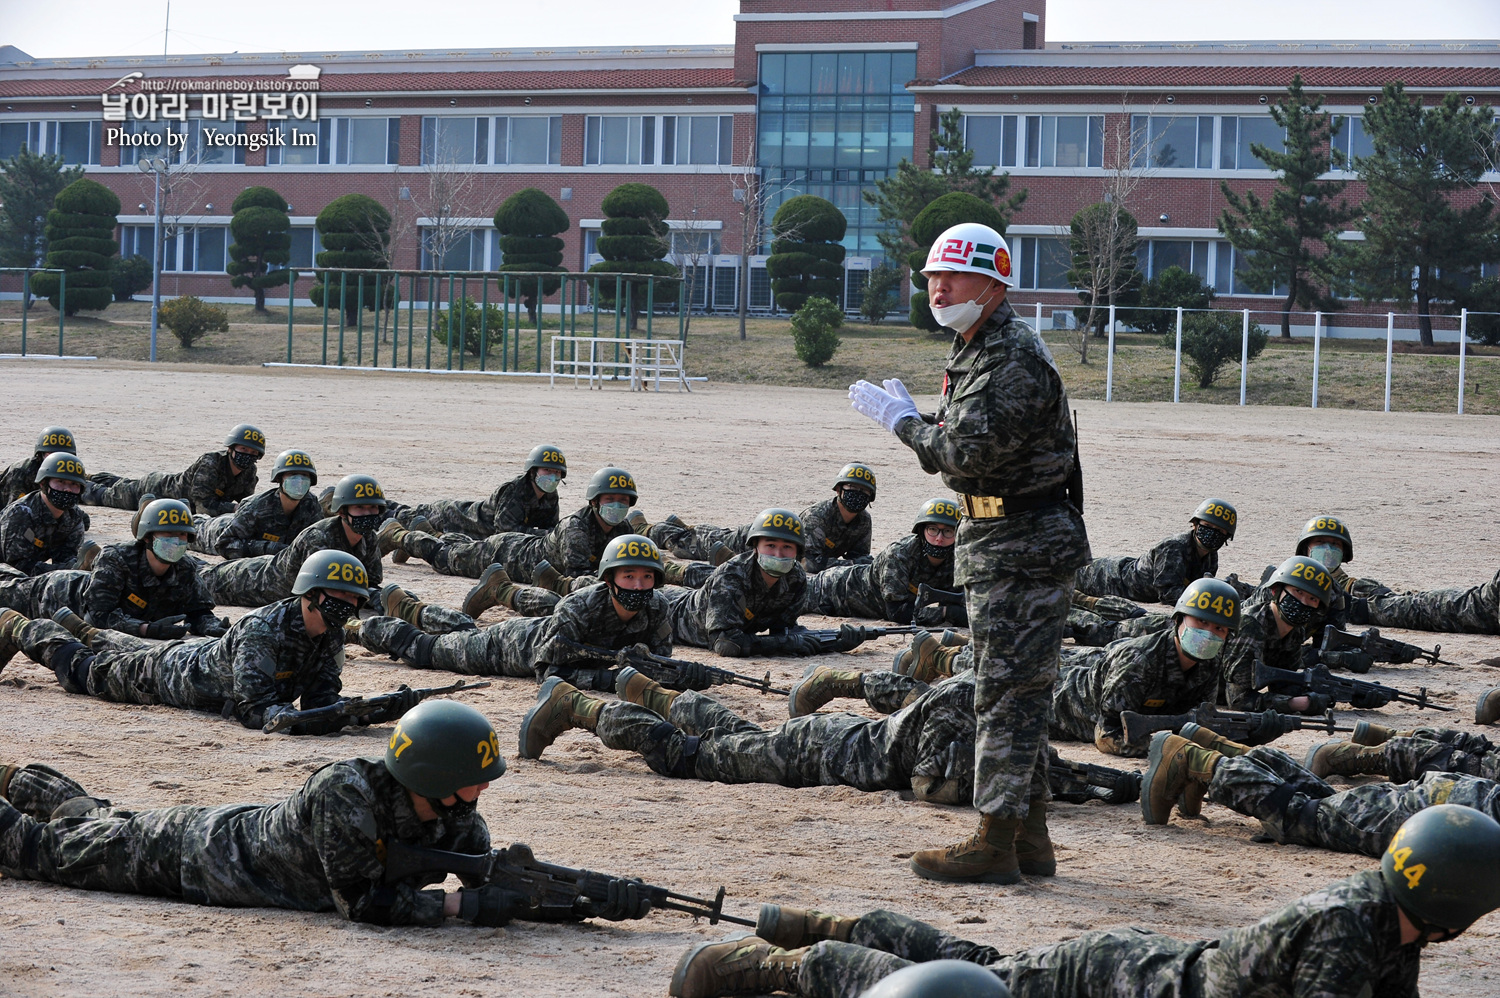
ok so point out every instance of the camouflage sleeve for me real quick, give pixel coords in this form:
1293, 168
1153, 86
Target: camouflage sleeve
789, 606
1242, 651
327, 682
244, 537
892, 569
197, 606
106, 594
1339, 958
1126, 687
506, 507
15, 549
1166, 566
346, 837
68, 542
859, 540
204, 484
723, 600
660, 638
570, 549
254, 667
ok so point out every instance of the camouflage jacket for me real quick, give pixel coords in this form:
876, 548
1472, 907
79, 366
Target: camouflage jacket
261, 525
328, 533
901, 567
124, 593
1003, 429
514, 505
265, 662
575, 545
934, 734
588, 617
1142, 675
1255, 641
736, 601
33, 541
830, 539
208, 486
322, 849
1162, 573
18, 479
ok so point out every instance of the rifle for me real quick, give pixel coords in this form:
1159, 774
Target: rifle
1079, 782
355, 708
1356, 692
831, 641
926, 596
550, 890
1237, 726
1108, 607
1357, 652
666, 670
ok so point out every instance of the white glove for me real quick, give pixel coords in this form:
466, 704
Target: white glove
896, 388
886, 408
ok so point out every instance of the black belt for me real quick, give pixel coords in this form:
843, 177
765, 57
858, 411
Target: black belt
997, 507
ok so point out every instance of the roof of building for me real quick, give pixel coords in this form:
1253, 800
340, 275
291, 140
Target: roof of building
1215, 77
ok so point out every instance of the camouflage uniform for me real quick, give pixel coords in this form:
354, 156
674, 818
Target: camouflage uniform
831, 542
208, 486
318, 850
529, 647
1088, 629
1158, 576
697, 543
33, 541
260, 526
1341, 940
1003, 429
38, 596
1256, 640
933, 736
886, 589
267, 578
255, 671
1141, 674
20, 479
1475, 610
573, 547
513, 507
1440, 750
120, 593
1297, 808
735, 602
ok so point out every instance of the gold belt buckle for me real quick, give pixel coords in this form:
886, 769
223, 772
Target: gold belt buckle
984, 507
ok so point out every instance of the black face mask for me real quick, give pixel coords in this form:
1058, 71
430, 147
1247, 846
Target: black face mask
335, 612
1294, 611
242, 460
632, 599
932, 550
460, 808
1210, 537
854, 500
366, 524
61, 499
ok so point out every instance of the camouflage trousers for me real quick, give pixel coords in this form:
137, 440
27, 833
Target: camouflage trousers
847, 591
1475, 610
125, 493
210, 529
456, 554
697, 543
1070, 718
1017, 624
125, 668
40, 596
447, 515
504, 649
1114, 577
251, 582
1297, 808
1115, 963
1088, 628
37, 790
1441, 750
704, 739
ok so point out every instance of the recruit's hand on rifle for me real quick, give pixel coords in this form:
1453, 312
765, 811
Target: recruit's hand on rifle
626, 899
490, 905
403, 699
849, 638
168, 628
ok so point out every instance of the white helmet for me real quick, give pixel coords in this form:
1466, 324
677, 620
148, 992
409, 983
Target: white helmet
973, 248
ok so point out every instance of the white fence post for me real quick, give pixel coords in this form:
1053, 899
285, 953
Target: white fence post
1317, 345
1463, 337
1177, 363
1109, 366
1244, 355
1039, 317
1390, 338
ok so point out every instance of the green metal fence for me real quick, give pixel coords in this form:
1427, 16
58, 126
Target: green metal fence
62, 300
424, 320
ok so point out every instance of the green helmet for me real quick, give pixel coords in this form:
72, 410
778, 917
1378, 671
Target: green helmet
1217, 513
1326, 526
441, 746
857, 474
246, 435
165, 516
356, 490
1443, 866
938, 510
61, 464
610, 481
1306, 575
56, 438
940, 979
547, 456
781, 524
632, 549
1213, 600
297, 462
329, 569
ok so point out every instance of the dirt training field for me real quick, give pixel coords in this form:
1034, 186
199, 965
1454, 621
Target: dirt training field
1418, 491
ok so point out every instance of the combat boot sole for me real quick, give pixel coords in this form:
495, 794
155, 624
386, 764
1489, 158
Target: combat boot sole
538, 714
683, 984
1151, 811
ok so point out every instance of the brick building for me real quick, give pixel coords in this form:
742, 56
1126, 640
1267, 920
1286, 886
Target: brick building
825, 101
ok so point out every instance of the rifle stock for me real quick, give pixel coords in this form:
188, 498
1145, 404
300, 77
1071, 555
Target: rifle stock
1380, 649
1357, 692
832, 638
665, 670
1238, 726
1079, 782
357, 707
926, 596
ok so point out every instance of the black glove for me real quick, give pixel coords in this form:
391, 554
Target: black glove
930, 615
959, 615
168, 628
1268, 726
850, 636
691, 676
1368, 699
730, 648
1318, 703
624, 899
209, 626
488, 905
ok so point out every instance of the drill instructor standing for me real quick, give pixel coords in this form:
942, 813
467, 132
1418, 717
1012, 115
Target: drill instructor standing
1002, 439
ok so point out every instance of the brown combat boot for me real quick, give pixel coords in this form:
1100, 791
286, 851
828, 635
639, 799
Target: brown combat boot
927, 658
1034, 854
88, 554
637, 521
821, 684
420, 523
390, 536
75, 625
1487, 711
789, 928
1340, 758
547, 577
325, 501
635, 687
11, 622
401, 604
559, 707
672, 573
135, 519
1211, 740
739, 965
1180, 770
7, 770
494, 588
988, 856
1370, 733
720, 553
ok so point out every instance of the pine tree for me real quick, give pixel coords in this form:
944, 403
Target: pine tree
262, 240
634, 240
529, 223
356, 235
1289, 240
807, 258
80, 240
28, 185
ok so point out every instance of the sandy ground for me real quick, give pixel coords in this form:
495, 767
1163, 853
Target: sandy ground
1418, 490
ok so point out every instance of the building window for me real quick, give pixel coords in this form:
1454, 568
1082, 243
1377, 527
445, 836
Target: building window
687, 243
192, 249
528, 140
77, 142
699, 140
1172, 143
477, 249
1352, 140
304, 143
1044, 263
1155, 255
625, 140
199, 150
1229, 266
372, 141
1036, 140
18, 135
455, 140
1237, 135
